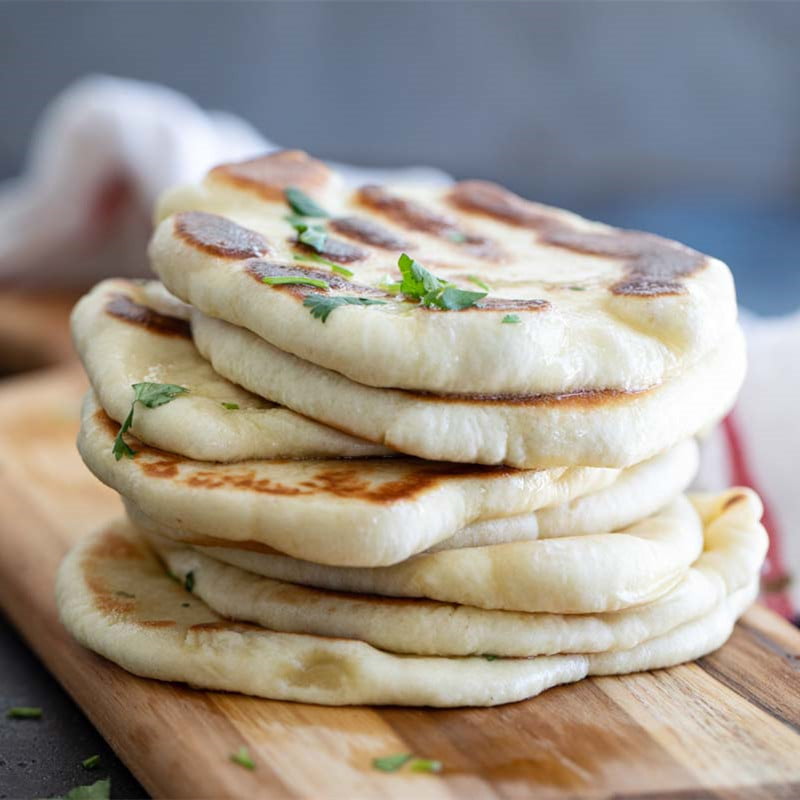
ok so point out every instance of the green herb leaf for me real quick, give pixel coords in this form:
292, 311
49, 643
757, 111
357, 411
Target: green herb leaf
391, 763
454, 299
419, 284
242, 758
302, 204
99, 790
511, 319
490, 656
91, 762
320, 260
456, 236
231, 406
477, 281
188, 582
577, 288
150, 395
279, 280
426, 765
312, 236
128, 595
321, 306
24, 712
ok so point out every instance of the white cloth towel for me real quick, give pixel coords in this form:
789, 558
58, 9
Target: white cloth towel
105, 149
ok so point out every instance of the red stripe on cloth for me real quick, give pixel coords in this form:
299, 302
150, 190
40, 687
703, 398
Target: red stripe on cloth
775, 572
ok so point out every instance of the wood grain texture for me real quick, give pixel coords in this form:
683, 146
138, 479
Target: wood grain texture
725, 727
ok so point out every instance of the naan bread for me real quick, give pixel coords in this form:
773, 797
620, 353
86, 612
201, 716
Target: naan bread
594, 573
735, 546
128, 332
115, 598
598, 430
365, 512
599, 308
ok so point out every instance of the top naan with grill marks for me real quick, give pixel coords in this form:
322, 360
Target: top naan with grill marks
592, 307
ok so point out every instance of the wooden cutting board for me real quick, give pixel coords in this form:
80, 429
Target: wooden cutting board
728, 726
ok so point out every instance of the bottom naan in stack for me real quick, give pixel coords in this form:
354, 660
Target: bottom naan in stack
117, 598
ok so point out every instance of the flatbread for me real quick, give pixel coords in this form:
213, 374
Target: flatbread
365, 512
599, 308
115, 598
735, 547
602, 429
564, 575
127, 332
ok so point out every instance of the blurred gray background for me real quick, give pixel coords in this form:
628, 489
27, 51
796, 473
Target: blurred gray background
683, 118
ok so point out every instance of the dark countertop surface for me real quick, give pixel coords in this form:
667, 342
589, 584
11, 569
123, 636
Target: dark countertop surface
42, 758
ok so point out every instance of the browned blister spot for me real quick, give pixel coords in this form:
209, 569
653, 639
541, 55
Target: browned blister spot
508, 304
224, 625
580, 399
114, 547
121, 306
268, 269
269, 175
156, 623
369, 232
219, 236
733, 500
335, 250
485, 197
653, 266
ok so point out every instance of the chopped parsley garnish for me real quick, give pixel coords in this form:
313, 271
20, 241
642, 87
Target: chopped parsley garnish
150, 395
24, 712
490, 656
242, 758
511, 319
188, 582
128, 595
99, 790
279, 280
91, 762
577, 288
321, 306
186, 605
392, 763
231, 406
311, 235
477, 281
426, 765
302, 204
320, 260
456, 236
433, 292
397, 761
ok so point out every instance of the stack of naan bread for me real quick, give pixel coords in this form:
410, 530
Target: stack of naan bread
405, 445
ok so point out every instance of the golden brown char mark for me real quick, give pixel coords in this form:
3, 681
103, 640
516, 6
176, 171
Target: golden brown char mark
269, 175
122, 306
219, 236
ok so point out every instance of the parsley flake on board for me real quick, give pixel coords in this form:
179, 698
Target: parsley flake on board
280, 280
242, 758
302, 204
321, 306
391, 763
230, 406
150, 395
426, 765
315, 257
24, 712
433, 292
511, 319
99, 790
91, 762
188, 582
397, 761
